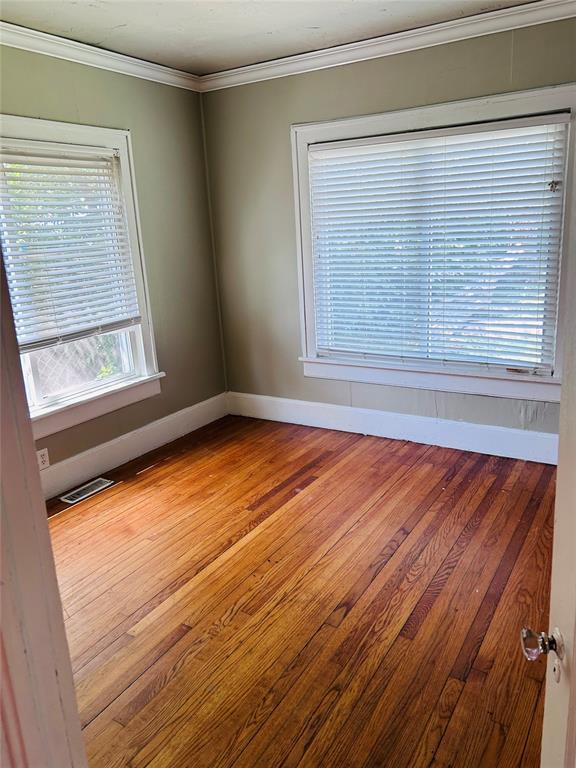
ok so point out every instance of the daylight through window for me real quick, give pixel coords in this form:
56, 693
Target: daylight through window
70, 269
440, 246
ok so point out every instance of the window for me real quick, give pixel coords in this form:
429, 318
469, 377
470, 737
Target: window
444, 247
435, 251
72, 259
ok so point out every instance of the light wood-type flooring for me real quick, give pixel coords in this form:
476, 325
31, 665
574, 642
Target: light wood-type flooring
261, 595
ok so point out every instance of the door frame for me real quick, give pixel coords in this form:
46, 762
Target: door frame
40, 721
559, 729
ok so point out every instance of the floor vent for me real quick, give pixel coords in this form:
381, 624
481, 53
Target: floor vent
89, 489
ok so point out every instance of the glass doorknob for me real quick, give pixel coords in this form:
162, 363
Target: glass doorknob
535, 644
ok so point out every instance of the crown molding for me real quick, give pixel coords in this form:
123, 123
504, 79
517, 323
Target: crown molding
539, 12
58, 47
491, 22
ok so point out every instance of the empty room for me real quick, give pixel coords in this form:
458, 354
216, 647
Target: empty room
288, 383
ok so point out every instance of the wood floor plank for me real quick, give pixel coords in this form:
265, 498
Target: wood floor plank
485, 738
281, 627
466, 711
516, 734
470, 648
442, 713
308, 693
262, 594
316, 537
388, 585
531, 754
382, 728
369, 544
509, 688
157, 577
201, 487
215, 583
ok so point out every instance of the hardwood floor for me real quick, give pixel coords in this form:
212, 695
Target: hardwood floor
260, 595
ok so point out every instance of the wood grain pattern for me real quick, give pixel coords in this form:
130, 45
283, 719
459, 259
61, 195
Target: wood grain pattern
262, 594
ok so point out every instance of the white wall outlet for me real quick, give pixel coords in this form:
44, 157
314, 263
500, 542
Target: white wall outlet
43, 458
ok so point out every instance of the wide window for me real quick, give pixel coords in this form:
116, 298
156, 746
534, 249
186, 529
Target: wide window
437, 250
74, 271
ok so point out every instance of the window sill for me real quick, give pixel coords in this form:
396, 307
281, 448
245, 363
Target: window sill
477, 382
47, 421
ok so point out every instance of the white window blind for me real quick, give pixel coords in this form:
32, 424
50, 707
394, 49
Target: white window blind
65, 243
440, 246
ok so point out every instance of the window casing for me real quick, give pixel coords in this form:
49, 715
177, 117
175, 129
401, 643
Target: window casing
432, 257
71, 250
87, 365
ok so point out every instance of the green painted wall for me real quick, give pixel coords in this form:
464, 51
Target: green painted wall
249, 160
248, 134
165, 125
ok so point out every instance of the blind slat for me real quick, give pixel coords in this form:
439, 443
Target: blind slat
65, 245
443, 248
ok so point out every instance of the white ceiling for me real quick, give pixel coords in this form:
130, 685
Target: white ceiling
202, 36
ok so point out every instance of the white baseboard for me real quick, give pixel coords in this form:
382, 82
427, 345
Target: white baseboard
67, 474
480, 438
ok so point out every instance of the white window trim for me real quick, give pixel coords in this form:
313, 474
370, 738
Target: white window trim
421, 375
47, 421
89, 405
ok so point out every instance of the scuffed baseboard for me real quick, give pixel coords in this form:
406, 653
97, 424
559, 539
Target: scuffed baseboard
84, 466
481, 438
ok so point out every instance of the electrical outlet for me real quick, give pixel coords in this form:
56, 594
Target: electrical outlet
43, 458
